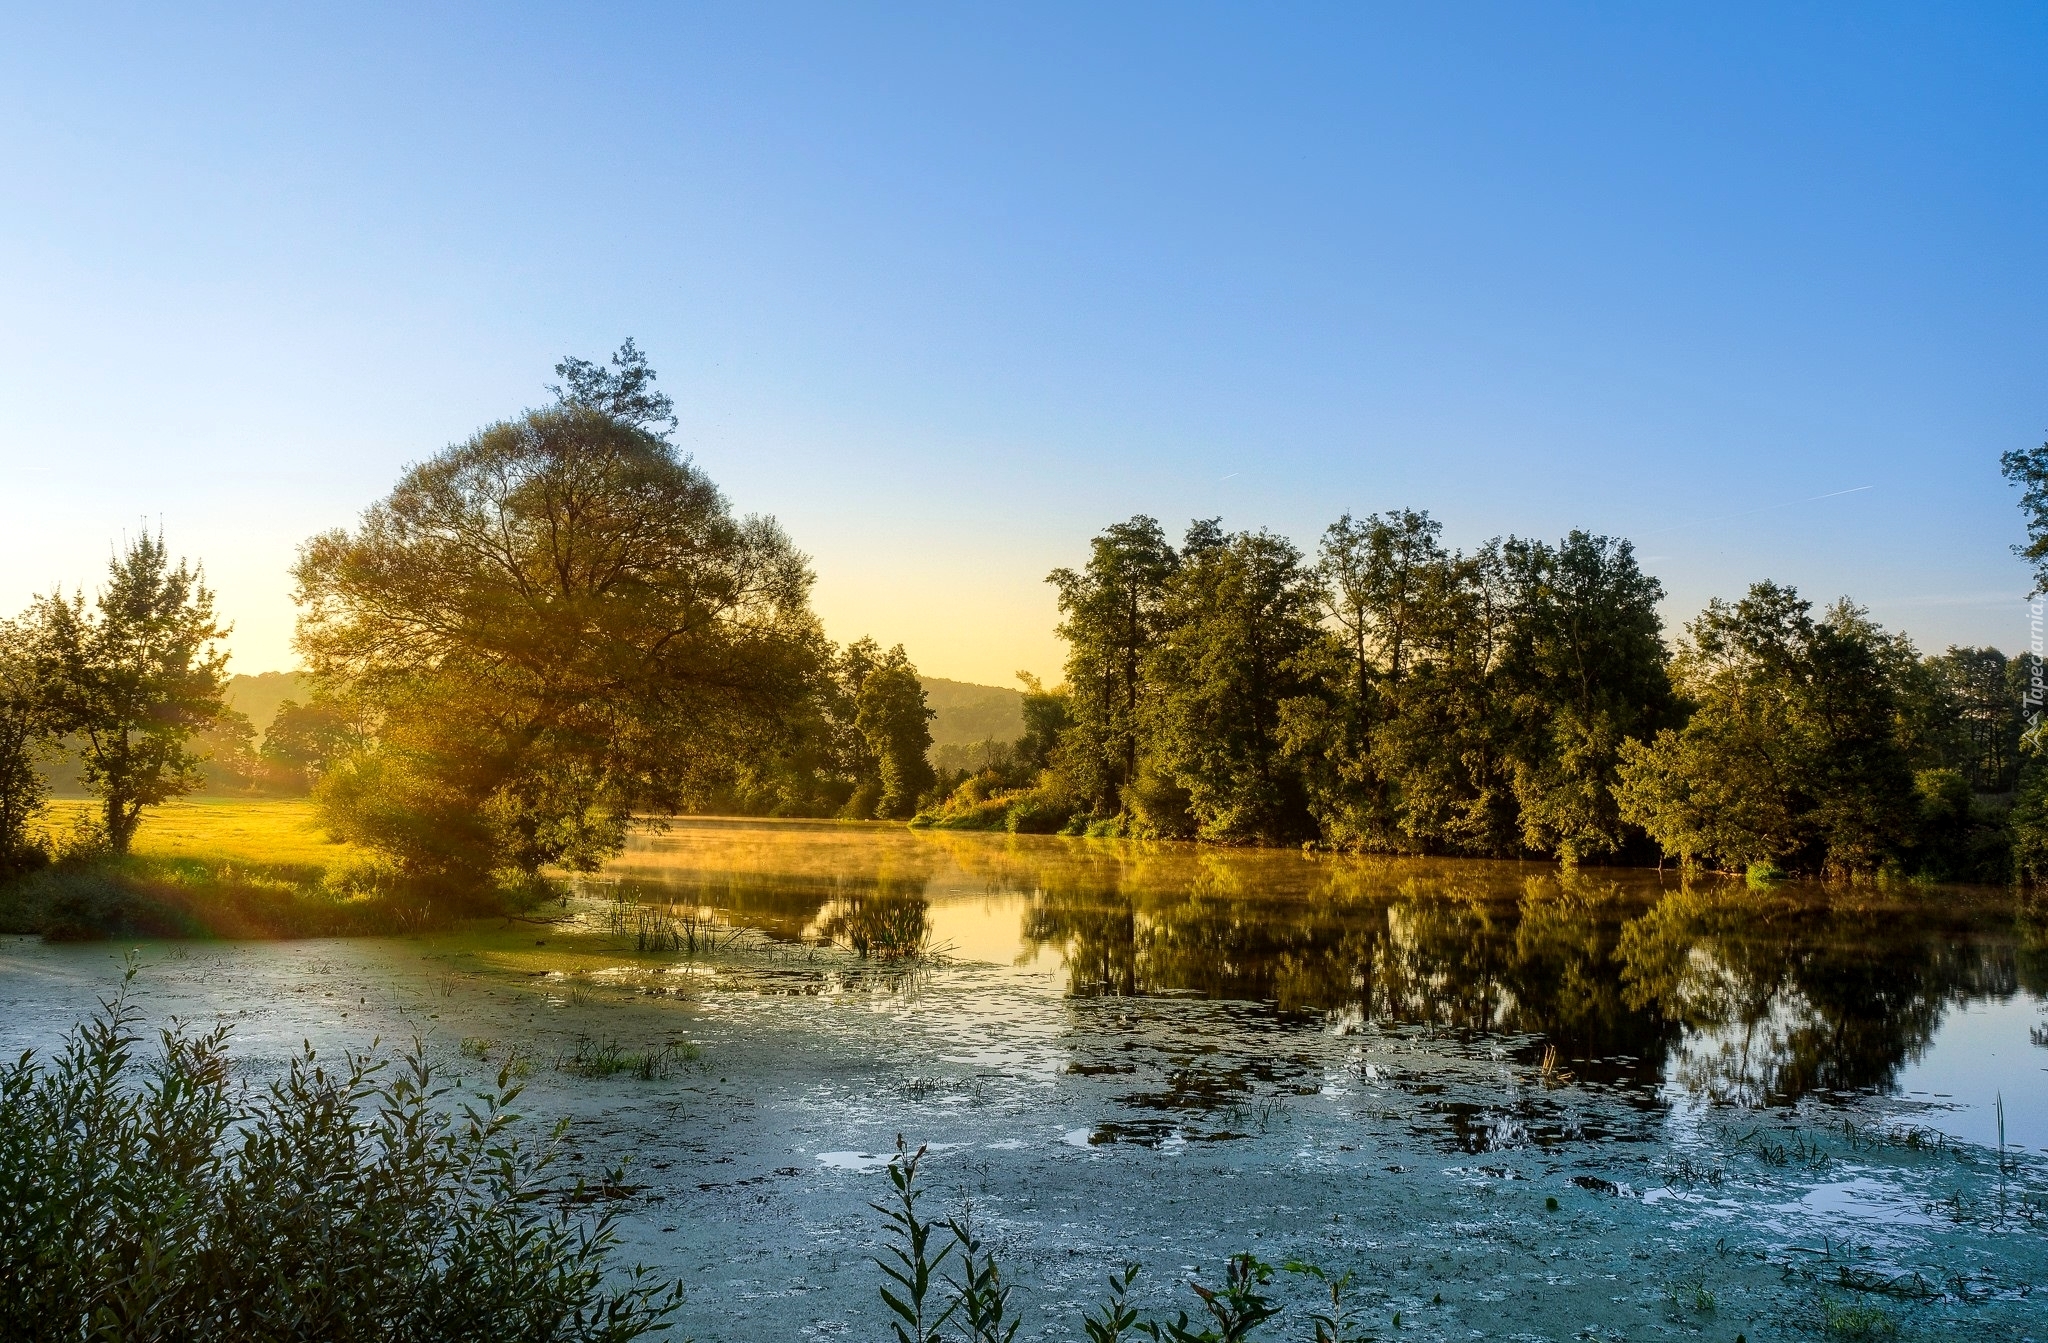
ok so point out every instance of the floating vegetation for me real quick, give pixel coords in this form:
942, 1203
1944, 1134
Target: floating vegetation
1856, 1322
590, 1059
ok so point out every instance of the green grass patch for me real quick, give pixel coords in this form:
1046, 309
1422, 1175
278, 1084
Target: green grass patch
141, 895
265, 831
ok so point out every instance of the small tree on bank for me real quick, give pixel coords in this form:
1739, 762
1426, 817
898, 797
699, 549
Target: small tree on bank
24, 736
132, 678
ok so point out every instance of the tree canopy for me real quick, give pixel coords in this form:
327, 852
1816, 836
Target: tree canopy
544, 628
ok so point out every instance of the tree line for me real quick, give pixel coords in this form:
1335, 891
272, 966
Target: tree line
559, 625
1390, 694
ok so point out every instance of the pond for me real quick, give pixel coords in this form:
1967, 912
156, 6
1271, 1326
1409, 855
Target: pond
1519, 1103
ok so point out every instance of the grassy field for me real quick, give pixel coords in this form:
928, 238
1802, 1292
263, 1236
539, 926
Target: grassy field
209, 867
240, 830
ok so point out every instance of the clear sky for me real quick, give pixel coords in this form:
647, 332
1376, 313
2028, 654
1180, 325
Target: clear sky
947, 288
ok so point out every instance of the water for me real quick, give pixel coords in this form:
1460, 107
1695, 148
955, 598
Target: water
1755, 1111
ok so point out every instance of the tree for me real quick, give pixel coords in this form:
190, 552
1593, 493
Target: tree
24, 739
1585, 664
890, 714
133, 678
1111, 613
1372, 578
1047, 716
544, 629
304, 739
1240, 642
1792, 756
2028, 469
626, 395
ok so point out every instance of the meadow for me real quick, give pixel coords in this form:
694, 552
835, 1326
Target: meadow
206, 867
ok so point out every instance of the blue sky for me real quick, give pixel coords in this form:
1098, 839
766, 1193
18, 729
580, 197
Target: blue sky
948, 288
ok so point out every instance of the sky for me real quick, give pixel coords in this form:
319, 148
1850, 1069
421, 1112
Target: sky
946, 288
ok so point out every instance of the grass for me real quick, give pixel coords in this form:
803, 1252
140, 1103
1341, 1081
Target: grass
266, 831
213, 867
589, 1059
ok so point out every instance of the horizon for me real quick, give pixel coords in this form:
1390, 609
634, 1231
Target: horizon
948, 294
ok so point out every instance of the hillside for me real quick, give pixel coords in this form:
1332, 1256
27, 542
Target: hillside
969, 713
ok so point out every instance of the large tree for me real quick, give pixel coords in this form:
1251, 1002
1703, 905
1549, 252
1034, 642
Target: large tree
1586, 667
1375, 578
132, 678
1111, 614
545, 628
1240, 643
1793, 755
895, 725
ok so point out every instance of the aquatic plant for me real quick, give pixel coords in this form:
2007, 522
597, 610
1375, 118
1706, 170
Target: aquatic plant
1856, 1322
1340, 1322
975, 1299
589, 1059
909, 1260
155, 1198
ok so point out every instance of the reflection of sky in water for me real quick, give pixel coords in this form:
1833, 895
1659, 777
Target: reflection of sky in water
1982, 1049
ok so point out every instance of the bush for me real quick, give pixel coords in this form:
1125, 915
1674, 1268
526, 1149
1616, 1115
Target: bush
156, 1199
1037, 813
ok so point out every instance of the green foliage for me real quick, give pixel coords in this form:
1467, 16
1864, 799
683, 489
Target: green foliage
1235, 1309
158, 1199
88, 894
25, 739
1114, 1318
891, 717
1793, 755
909, 1260
304, 740
2028, 469
544, 628
132, 678
1340, 1321
1240, 644
1112, 615
1585, 666
2028, 823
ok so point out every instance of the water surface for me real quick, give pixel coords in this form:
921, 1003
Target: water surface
1755, 1111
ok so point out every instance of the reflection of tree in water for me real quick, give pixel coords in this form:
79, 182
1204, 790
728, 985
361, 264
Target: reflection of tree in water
1753, 997
1789, 992
873, 910
885, 920
1448, 949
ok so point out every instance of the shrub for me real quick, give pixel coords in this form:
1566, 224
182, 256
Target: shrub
1037, 812
156, 1199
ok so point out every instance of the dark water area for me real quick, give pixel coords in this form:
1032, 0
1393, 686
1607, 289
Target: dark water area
1518, 1103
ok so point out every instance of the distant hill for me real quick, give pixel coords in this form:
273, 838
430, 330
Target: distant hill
969, 713
256, 697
